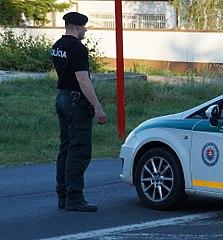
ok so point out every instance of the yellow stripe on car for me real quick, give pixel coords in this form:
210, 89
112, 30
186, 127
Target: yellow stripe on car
208, 184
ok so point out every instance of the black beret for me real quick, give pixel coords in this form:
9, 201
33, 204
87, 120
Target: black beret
75, 18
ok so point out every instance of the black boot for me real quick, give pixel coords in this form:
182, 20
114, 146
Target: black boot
79, 204
61, 202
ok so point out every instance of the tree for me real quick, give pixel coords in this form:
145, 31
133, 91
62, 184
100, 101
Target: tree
200, 14
9, 13
15, 12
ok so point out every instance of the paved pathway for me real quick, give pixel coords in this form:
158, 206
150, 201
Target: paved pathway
6, 75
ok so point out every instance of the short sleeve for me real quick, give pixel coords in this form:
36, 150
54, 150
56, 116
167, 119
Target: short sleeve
80, 60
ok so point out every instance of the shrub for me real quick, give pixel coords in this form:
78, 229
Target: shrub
28, 53
95, 56
24, 52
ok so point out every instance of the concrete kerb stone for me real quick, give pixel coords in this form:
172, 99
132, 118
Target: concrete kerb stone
112, 76
8, 75
184, 79
150, 78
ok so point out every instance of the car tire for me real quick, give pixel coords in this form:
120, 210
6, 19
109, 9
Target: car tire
159, 180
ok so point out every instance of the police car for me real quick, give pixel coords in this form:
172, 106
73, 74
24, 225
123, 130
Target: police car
170, 157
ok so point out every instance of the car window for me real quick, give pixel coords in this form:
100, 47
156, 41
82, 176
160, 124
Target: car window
221, 115
200, 114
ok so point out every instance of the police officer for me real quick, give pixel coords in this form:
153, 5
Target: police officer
76, 105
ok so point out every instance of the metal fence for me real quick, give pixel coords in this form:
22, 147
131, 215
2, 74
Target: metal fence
130, 21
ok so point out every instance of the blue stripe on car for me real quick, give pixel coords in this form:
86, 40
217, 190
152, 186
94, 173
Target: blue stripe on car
185, 124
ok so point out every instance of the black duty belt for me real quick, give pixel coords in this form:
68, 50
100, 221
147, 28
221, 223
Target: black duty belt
73, 93
61, 91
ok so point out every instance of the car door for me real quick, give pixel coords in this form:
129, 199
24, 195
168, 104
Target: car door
207, 156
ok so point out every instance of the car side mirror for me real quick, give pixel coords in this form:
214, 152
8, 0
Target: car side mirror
213, 113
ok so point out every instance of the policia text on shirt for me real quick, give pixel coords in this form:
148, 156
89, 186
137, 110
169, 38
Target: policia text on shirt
76, 105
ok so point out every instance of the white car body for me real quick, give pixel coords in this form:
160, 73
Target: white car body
197, 144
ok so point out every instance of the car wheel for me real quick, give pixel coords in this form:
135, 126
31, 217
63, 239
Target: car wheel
159, 180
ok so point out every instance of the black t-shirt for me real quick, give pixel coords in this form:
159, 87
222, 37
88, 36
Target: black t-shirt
69, 55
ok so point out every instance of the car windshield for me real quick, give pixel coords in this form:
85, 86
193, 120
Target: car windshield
200, 114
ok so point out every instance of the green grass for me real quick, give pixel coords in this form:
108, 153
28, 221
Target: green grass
29, 129
207, 72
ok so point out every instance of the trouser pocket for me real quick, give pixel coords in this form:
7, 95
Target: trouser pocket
91, 111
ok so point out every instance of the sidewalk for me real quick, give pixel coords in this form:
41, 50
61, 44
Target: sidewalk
6, 75
183, 79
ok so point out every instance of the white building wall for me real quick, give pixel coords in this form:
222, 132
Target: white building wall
141, 7
164, 46
156, 7
87, 7
153, 45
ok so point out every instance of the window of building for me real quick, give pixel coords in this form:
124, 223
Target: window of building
130, 21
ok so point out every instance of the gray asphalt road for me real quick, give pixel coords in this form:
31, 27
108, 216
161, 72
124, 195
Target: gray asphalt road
28, 209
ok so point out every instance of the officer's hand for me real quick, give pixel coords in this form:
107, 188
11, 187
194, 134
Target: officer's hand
100, 115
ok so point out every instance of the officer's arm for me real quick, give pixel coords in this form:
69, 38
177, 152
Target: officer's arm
87, 87
89, 92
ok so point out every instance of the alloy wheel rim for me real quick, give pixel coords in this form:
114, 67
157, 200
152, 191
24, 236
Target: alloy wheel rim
157, 179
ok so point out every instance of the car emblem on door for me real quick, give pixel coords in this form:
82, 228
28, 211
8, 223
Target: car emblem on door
210, 154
